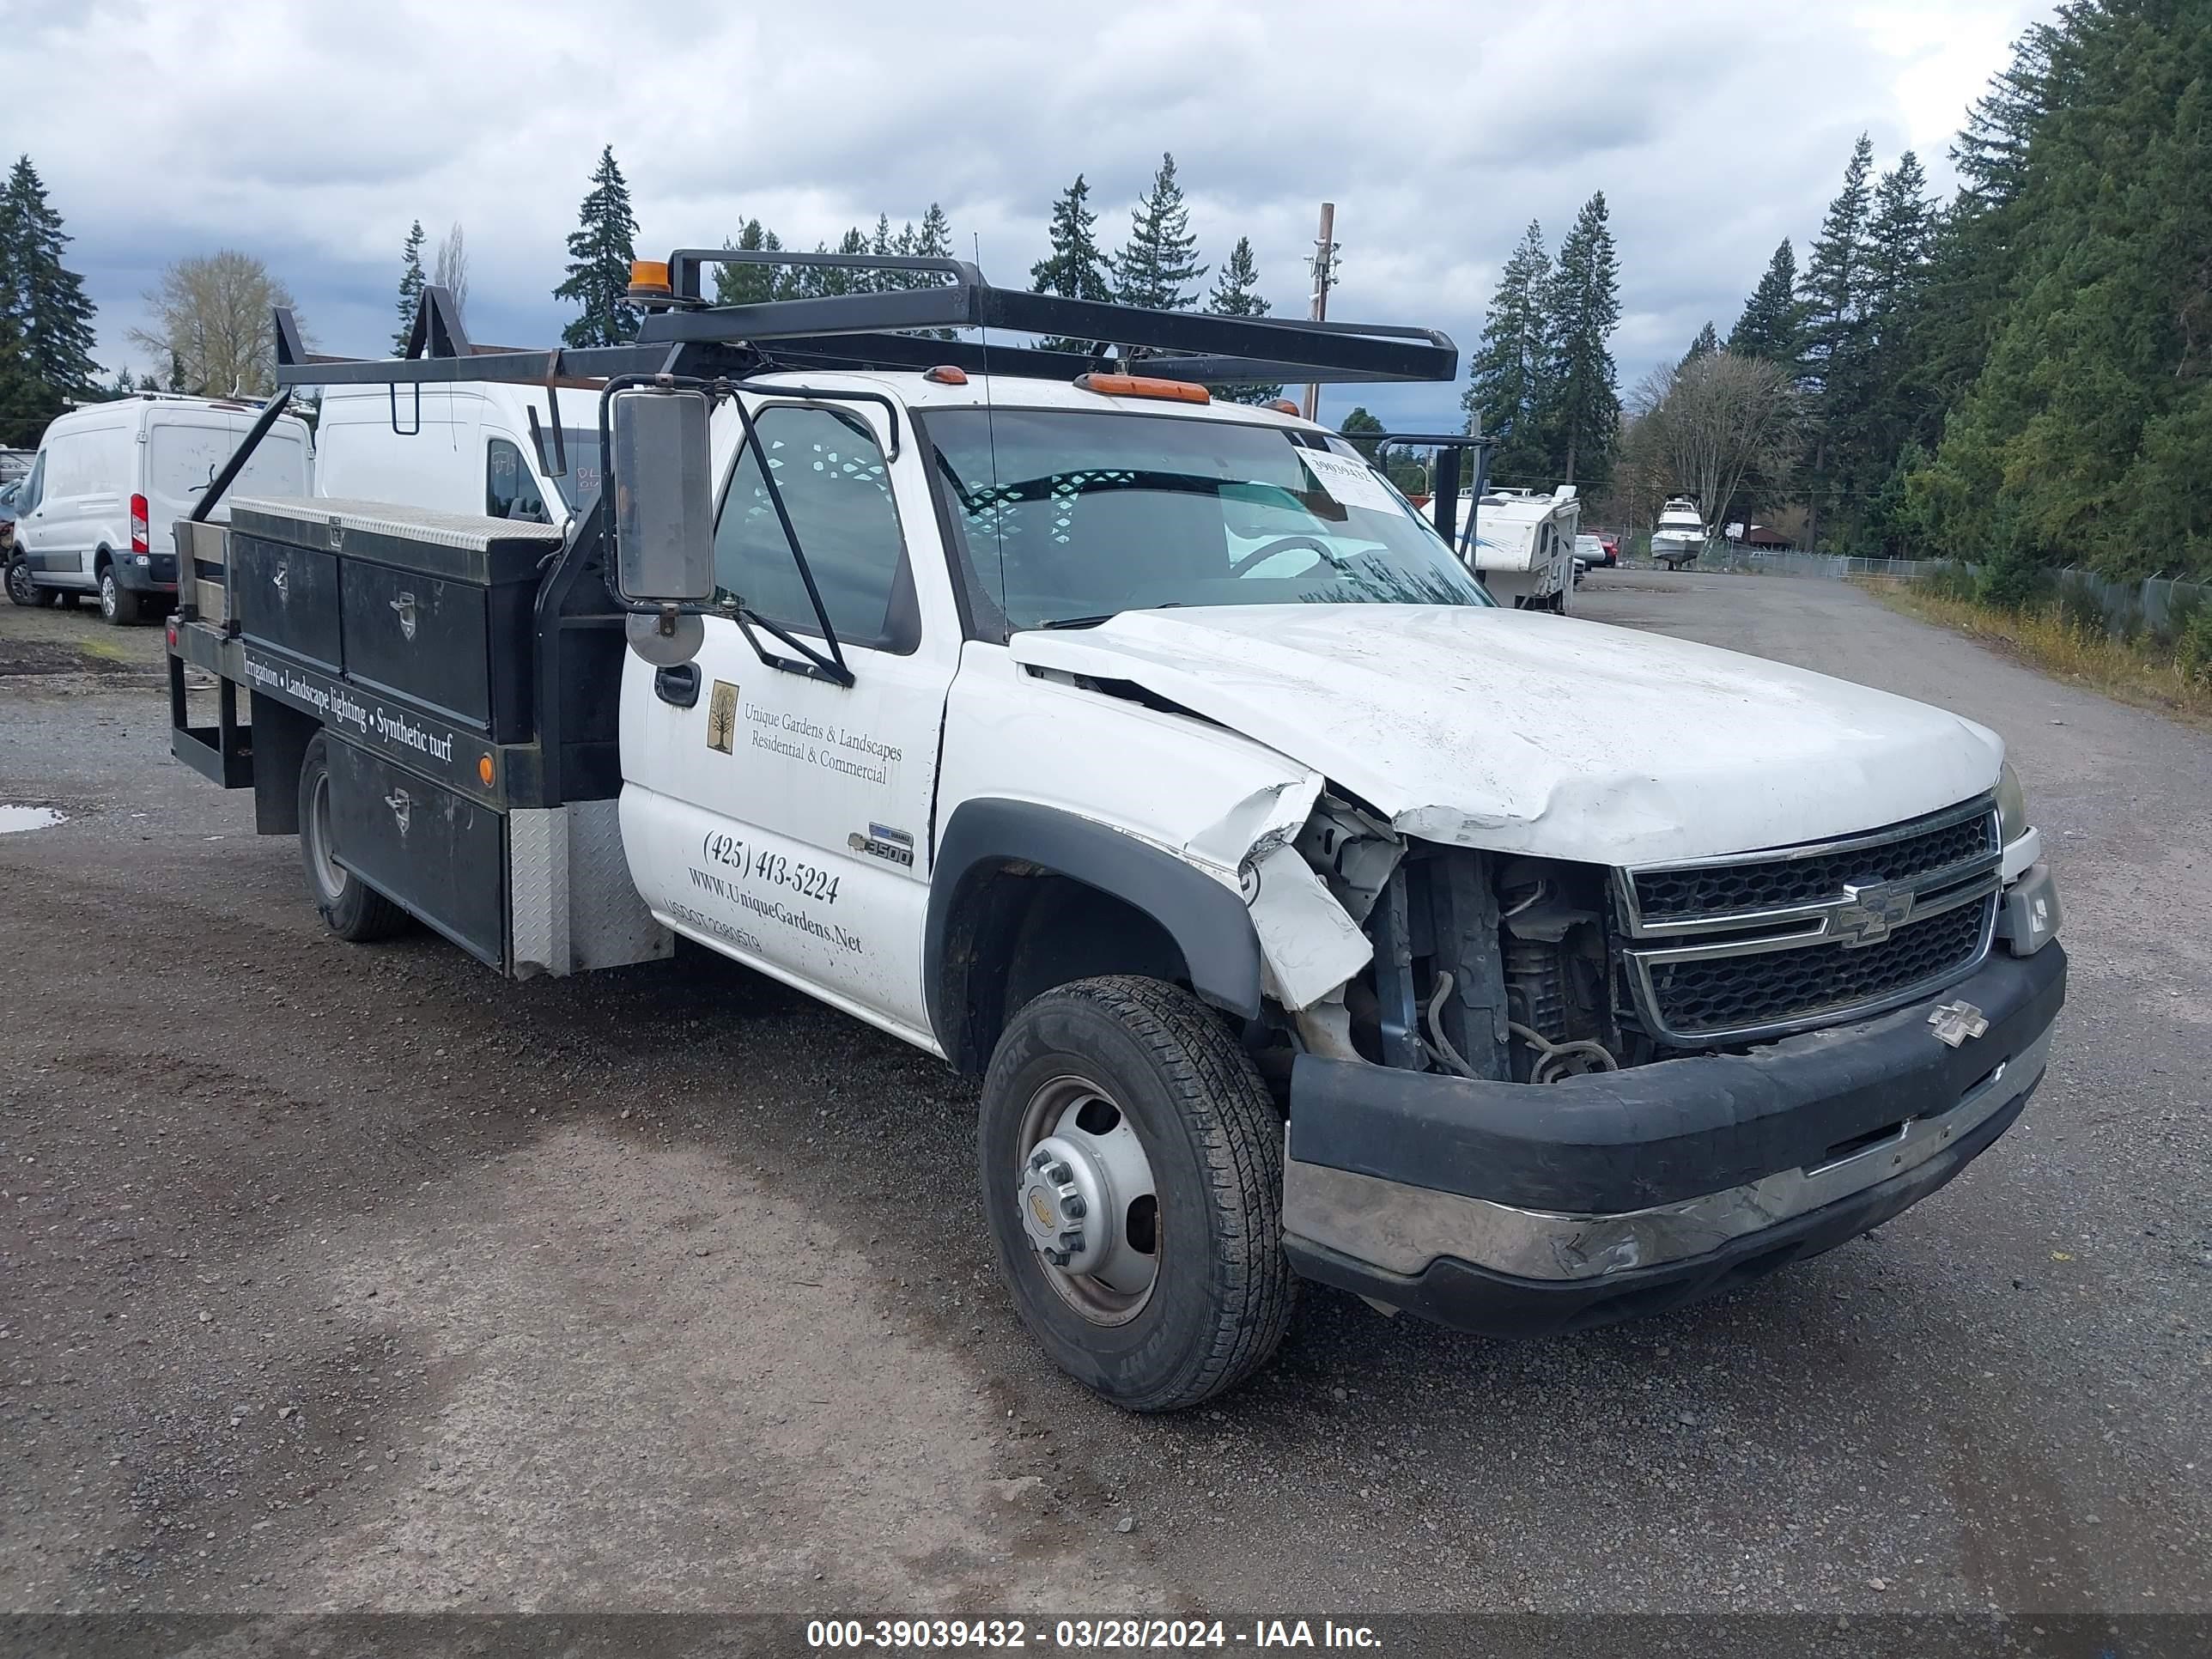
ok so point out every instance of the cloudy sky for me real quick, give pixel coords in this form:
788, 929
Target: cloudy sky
311, 133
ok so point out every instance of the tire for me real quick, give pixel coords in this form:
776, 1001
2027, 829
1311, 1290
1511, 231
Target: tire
118, 604
350, 908
1144, 1056
21, 590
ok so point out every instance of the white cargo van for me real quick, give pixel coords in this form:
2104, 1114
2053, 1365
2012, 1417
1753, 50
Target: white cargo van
109, 478
465, 448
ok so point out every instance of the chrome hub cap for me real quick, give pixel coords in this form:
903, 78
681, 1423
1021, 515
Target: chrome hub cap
1087, 1201
328, 875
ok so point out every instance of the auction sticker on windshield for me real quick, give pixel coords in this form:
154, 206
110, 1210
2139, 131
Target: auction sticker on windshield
1353, 483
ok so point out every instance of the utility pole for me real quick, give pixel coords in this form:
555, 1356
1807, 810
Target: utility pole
1324, 270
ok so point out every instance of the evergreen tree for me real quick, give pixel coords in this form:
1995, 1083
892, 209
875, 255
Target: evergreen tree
1769, 328
1236, 293
1972, 268
411, 289
1990, 152
1362, 429
739, 285
2083, 435
600, 250
934, 240
1899, 231
1583, 306
1076, 268
931, 240
26, 403
838, 281
1832, 297
1704, 346
46, 298
1157, 267
1509, 379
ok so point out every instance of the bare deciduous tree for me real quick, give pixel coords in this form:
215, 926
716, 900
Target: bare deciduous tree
211, 319
1702, 428
451, 270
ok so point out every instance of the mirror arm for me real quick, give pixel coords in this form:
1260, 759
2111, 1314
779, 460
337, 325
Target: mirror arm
834, 664
814, 666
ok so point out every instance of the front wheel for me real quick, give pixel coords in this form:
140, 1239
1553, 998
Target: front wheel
1132, 1164
355, 911
118, 604
21, 590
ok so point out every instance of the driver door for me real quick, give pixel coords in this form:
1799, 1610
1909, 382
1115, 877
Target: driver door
774, 815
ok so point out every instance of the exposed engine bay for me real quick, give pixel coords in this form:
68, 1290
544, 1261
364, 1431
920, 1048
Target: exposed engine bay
1489, 967
1508, 967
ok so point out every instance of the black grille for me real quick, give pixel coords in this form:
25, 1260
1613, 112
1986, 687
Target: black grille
1774, 883
1724, 993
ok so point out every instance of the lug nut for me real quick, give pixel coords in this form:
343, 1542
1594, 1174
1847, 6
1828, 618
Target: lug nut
1073, 1206
1060, 1173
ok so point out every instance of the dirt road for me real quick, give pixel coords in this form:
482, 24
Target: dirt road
343, 1278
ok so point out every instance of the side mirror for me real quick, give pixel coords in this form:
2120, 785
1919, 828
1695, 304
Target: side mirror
664, 496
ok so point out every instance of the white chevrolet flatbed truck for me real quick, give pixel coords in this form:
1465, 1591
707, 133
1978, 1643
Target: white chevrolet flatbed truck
1148, 759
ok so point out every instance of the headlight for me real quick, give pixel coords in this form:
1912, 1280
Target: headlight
2012, 807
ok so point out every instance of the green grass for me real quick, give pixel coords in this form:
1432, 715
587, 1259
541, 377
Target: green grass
2133, 670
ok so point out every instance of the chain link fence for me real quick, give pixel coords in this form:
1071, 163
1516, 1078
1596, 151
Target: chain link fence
2157, 605
1834, 566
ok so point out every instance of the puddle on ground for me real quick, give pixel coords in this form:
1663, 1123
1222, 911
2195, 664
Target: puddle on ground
13, 819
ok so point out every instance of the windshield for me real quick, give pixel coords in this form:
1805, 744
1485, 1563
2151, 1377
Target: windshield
1070, 517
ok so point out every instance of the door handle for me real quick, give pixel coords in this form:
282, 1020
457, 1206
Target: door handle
679, 685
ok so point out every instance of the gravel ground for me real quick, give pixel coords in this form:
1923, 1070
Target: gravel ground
336, 1278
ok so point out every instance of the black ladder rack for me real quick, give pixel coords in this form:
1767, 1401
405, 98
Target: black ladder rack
681, 334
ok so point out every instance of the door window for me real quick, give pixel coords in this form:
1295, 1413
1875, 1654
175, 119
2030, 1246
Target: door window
33, 487
836, 487
510, 490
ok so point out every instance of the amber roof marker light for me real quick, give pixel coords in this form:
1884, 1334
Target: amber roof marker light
648, 280
1144, 386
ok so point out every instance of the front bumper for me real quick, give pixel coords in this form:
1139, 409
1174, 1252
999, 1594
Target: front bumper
1505, 1208
157, 575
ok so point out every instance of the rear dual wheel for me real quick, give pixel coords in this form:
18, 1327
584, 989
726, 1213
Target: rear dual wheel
354, 910
1132, 1169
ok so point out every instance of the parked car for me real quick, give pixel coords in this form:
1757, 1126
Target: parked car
14, 465
1593, 553
109, 479
8, 519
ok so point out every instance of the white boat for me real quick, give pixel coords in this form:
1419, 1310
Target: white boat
1680, 534
1524, 544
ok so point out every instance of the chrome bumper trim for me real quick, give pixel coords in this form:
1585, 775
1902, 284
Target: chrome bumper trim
1402, 1229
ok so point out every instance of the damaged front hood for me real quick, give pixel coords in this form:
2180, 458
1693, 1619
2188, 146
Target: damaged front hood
1534, 733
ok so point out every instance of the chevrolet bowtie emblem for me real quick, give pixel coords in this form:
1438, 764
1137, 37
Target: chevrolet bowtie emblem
1870, 912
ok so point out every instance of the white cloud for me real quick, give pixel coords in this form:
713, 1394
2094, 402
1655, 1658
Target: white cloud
312, 135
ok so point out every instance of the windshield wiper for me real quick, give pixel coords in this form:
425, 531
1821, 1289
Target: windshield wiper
1106, 616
